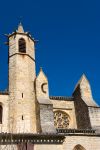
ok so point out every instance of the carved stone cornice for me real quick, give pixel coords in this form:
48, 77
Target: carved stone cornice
8, 138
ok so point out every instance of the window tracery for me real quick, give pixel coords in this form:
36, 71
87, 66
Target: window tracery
61, 120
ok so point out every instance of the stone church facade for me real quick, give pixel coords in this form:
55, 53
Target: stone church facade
30, 119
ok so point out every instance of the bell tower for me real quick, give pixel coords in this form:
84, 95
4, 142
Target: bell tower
22, 104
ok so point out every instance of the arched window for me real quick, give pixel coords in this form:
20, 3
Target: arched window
79, 147
1, 110
22, 45
61, 119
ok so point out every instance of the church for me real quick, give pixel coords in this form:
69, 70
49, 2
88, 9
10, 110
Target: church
31, 119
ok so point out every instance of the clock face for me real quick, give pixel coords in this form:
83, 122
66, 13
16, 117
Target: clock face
43, 87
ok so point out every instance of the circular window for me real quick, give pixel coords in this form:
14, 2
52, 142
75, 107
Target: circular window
61, 119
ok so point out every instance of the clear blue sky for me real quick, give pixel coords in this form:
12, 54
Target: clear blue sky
69, 40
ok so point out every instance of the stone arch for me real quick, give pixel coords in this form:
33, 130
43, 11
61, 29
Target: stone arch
61, 119
79, 147
22, 45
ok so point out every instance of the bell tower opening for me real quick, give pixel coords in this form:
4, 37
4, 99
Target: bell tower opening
22, 45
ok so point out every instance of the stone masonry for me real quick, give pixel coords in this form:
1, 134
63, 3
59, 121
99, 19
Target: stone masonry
30, 119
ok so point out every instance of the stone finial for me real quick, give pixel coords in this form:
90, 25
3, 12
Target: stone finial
82, 79
20, 28
84, 87
41, 73
42, 85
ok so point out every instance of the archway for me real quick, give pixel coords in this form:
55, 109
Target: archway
79, 147
22, 45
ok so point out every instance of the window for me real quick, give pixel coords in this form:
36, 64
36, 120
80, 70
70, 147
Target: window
1, 114
61, 119
22, 95
22, 45
22, 117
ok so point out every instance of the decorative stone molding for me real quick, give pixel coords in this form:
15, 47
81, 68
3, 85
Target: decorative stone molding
61, 98
76, 131
7, 138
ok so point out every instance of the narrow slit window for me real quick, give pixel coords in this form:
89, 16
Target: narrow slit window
22, 95
22, 117
22, 45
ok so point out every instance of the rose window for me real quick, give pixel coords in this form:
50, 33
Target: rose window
61, 119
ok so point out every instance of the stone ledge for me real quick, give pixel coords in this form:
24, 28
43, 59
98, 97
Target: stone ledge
89, 131
64, 98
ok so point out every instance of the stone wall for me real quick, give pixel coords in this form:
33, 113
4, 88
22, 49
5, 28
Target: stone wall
47, 147
94, 114
67, 107
4, 102
81, 111
46, 118
87, 142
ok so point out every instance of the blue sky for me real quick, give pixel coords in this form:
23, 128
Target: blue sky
69, 40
